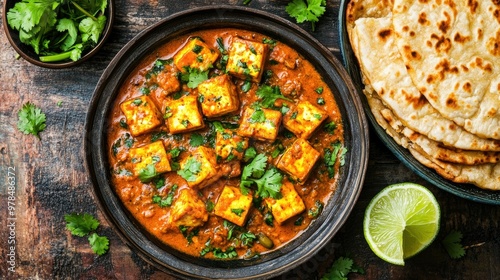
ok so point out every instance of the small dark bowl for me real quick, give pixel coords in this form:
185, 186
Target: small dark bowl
27, 52
279, 260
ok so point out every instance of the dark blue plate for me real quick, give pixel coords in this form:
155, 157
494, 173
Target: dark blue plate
466, 191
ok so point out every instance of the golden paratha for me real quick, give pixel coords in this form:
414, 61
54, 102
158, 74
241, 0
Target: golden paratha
452, 51
374, 44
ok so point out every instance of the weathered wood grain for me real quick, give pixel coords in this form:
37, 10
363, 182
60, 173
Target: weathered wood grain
51, 180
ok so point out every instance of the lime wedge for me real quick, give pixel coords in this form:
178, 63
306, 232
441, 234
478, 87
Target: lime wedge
400, 221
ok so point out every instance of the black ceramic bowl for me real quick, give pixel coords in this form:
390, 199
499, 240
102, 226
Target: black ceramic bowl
27, 52
466, 191
281, 259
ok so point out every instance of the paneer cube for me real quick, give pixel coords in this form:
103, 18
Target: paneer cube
261, 124
247, 59
233, 206
298, 160
150, 154
141, 114
168, 81
229, 145
196, 54
303, 119
289, 205
218, 96
200, 168
183, 115
188, 210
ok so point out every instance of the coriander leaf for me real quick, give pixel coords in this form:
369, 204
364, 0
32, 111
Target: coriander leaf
99, 244
193, 77
256, 168
80, 224
270, 184
66, 24
269, 94
148, 173
306, 10
31, 119
91, 29
452, 244
196, 140
340, 269
250, 153
190, 170
257, 116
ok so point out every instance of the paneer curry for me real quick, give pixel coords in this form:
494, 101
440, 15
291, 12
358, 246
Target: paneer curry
225, 144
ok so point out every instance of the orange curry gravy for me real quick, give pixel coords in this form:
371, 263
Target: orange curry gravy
151, 201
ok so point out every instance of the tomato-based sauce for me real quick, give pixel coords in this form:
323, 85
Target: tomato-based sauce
225, 143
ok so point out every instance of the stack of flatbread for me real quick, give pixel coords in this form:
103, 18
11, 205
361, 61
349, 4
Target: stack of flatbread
431, 70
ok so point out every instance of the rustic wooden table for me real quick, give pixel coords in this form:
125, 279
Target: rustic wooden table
51, 181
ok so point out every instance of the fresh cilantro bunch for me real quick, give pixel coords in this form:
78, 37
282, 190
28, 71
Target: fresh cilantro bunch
58, 30
31, 119
85, 224
268, 181
306, 10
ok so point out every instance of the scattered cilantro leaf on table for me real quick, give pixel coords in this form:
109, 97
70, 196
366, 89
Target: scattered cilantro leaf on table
452, 244
306, 10
31, 119
341, 268
81, 224
99, 244
85, 224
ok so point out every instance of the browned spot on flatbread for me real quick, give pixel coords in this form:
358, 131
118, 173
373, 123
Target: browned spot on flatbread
479, 63
406, 28
496, 15
461, 39
472, 4
422, 18
423, 1
464, 68
467, 87
451, 101
417, 102
492, 112
496, 2
443, 44
444, 67
445, 25
493, 44
410, 54
384, 34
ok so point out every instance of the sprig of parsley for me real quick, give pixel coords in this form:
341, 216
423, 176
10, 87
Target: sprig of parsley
341, 268
306, 10
452, 244
31, 119
85, 224
268, 181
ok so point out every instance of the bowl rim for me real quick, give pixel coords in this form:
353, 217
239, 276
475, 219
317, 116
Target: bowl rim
466, 191
269, 267
110, 9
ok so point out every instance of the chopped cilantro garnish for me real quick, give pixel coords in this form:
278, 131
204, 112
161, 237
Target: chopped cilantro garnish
190, 170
